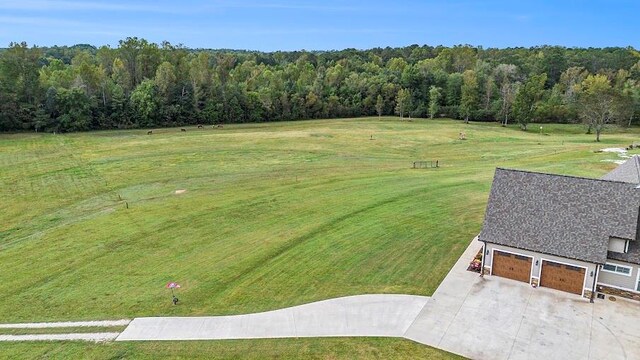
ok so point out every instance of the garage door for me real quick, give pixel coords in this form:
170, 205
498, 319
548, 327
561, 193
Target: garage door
562, 277
512, 266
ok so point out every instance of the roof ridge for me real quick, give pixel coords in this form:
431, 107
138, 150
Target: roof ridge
568, 176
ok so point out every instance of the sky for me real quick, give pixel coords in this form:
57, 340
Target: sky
271, 25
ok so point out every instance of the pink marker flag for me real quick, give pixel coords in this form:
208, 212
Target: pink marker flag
173, 285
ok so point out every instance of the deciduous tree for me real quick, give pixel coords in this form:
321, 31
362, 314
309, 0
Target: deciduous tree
435, 94
527, 98
469, 98
143, 100
505, 75
379, 105
597, 103
402, 102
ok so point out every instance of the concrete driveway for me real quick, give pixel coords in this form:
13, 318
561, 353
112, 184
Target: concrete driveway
496, 318
361, 315
480, 318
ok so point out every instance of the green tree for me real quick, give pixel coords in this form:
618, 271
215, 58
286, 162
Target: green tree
20, 88
140, 59
379, 105
75, 110
454, 89
56, 74
402, 102
195, 86
505, 75
435, 94
488, 90
597, 103
165, 81
88, 75
527, 99
457, 59
120, 75
631, 93
118, 108
143, 101
201, 77
469, 97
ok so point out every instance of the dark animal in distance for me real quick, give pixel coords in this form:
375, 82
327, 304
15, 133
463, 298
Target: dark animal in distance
200, 126
149, 132
183, 129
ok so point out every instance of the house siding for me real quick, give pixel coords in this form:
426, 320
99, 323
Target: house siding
620, 280
539, 257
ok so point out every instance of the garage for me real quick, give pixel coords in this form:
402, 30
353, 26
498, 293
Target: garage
511, 266
562, 277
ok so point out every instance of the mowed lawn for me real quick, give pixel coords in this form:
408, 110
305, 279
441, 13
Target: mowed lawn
254, 217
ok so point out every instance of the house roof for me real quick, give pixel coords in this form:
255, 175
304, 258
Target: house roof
560, 215
631, 256
628, 171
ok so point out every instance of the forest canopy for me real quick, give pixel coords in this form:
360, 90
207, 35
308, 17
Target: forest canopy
142, 85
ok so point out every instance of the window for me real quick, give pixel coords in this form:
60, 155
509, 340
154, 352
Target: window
618, 269
638, 287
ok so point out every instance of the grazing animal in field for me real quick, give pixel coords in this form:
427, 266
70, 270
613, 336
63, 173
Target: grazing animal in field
183, 129
462, 136
200, 126
149, 132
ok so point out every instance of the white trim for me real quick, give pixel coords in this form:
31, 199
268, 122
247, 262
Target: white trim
584, 281
638, 281
617, 265
618, 287
596, 279
626, 246
493, 254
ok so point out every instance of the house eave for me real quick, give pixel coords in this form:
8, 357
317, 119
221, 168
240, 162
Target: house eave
591, 261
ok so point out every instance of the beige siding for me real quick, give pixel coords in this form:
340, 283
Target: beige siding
620, 280
537, 257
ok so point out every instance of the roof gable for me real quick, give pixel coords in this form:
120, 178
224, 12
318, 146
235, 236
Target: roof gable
560, 215
628, 171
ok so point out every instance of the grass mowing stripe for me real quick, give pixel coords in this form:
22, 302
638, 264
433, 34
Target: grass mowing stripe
300, 348
63, 330
273, 215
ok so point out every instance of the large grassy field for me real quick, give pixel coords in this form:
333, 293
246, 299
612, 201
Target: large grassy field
272, 215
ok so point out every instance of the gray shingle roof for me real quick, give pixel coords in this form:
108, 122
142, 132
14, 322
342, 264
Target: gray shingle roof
628, 171
559, 215
631, 256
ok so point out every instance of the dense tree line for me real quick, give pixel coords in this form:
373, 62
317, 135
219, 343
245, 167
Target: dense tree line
142, 84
